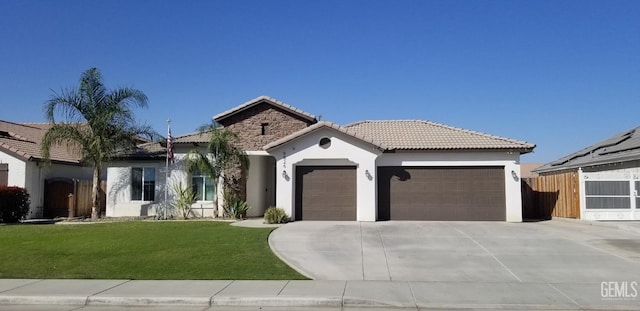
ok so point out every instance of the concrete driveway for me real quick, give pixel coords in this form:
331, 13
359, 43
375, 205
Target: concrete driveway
547, 252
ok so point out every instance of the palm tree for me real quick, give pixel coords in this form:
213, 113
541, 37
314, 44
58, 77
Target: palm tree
98, 123
222, 155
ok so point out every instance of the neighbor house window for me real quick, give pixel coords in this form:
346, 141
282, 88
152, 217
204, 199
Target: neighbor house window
143, 183
607, 194
202, 187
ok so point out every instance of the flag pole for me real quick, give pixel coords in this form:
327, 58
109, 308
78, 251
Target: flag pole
166, 171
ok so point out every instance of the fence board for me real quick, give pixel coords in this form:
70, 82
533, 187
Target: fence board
83, 191
556, 195
4, 174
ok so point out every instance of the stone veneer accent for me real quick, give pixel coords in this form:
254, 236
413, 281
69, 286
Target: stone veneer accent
247, 125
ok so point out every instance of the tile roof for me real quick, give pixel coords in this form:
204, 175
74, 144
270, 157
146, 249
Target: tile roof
192, 138
264, 99
24, 140
324, 124
145, 151
426, 135
621, 147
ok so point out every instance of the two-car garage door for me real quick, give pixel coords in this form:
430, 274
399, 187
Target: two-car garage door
441, 193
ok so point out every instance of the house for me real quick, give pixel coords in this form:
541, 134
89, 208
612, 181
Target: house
22, 165
606, 177
365, 171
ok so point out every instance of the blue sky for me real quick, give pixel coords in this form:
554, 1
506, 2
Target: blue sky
560, 74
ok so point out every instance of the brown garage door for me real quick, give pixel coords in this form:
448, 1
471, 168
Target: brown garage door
325, 193
441, 193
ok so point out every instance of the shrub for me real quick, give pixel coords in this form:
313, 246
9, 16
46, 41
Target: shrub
14, 203
275, 215
184, 199
235, 207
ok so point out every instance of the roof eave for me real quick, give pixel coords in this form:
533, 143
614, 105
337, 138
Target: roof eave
586, 164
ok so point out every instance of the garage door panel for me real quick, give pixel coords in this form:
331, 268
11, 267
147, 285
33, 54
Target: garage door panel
441, 193
325, 193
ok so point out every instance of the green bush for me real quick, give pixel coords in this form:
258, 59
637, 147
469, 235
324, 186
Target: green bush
275, 215
235, 207
185, 197
14, 203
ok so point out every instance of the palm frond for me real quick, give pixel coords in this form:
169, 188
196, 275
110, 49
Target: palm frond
73, 136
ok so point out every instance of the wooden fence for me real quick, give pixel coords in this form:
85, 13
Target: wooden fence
556, 195
4, 174
63, 196
82, 198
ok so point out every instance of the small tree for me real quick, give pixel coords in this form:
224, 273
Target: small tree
98, 124
222, 154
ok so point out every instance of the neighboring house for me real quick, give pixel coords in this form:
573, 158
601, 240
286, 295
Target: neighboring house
24, 166
365, 171
608, 177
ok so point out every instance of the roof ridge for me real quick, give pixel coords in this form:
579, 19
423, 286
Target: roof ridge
259, 99
25, 124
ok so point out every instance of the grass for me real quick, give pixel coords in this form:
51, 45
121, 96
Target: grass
140, 250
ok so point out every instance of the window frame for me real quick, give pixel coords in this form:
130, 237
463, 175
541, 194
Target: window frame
203, 192
143, 198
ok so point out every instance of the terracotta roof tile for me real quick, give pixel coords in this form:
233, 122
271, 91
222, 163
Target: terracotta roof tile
146, 150
262, 99
426, 135
322, 124
24, 140
191, 138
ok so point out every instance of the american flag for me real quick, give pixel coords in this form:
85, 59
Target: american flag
170, 147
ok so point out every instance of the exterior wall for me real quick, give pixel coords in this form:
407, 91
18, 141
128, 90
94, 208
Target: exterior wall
510, 162
119, 201
247, 125
344, 150
17, 169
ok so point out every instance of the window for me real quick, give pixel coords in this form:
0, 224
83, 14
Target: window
325, 143
265, 129
607, 194
143, 183
203, 187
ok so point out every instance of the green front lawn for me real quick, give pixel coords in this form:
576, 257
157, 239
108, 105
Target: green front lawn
140, 250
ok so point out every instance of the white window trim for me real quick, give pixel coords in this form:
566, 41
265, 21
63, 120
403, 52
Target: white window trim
154, 182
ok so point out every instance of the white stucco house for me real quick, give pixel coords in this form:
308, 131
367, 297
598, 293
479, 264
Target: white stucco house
608, 177
22, 165
318, 170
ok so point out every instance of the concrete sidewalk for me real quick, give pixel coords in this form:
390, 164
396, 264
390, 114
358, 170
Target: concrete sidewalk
327, 295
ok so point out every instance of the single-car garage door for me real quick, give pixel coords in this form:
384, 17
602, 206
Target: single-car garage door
441, 193
325, 193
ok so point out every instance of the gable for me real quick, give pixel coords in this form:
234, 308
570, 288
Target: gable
263, 123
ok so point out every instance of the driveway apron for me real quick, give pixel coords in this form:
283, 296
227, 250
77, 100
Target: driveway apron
548, 252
